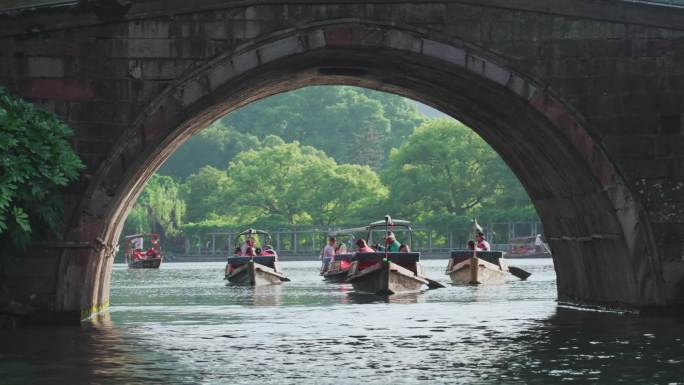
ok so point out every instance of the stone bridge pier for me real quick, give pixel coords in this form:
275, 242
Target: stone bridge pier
583, 99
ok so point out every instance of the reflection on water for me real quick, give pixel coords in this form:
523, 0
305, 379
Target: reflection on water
361, 298
183, 325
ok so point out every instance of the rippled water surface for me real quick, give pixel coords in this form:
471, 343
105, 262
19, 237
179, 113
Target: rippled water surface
182, 324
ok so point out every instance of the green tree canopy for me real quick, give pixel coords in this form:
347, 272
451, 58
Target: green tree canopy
287, 184
350, 124
37, 161
215, 146
445, 170
204, 192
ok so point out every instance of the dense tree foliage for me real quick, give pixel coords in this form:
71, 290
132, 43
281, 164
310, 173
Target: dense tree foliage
215, 146
205, 191
352, 125
37, 161
445, 172
283, 184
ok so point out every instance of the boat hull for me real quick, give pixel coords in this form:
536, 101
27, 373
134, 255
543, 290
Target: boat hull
386, 278
338, 276
151, 263
477, 271
338, 270
255, 274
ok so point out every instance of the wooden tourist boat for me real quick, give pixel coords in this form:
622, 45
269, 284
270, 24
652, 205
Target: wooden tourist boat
479, 266
485, 267
254, 266
388, 273
138, 256
528, 247
336, 269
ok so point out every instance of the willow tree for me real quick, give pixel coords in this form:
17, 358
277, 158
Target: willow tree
160, 208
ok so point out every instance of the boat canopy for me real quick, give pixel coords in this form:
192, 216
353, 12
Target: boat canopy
523, 240
142, 235
393, 222
253, 232
135, 242
350, 231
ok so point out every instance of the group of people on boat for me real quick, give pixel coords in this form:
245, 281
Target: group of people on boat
390, 243
249, 249
480, 243
138, 252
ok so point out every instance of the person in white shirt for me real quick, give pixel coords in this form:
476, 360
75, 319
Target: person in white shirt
328, 254
329, 249
538, 244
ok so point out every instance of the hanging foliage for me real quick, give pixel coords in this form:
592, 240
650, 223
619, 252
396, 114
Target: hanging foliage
37, 162
158, 209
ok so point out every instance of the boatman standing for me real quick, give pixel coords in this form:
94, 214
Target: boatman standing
482, 244
391, 243
329, 249
328, 253
538, 244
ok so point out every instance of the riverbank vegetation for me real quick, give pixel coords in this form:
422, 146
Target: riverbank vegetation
329, 156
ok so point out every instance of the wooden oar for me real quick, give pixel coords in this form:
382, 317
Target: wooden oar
518, 272
432, 284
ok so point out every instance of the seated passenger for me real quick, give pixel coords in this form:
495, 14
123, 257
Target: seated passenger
404, 248
138, 254
341, 249
471, 245
362, 247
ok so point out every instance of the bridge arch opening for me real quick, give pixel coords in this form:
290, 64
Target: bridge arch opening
602, 254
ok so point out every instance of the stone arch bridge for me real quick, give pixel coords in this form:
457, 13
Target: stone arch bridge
582, 98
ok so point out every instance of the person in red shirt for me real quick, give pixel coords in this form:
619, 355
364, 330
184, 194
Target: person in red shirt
362, 246
482, 244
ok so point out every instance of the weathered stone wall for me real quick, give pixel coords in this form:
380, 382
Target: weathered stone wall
583, 99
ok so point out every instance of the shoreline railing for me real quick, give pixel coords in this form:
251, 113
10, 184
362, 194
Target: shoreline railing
307, 241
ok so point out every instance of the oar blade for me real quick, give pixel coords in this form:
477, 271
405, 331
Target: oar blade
432, 284
518, 272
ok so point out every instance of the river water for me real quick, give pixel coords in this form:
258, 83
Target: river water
182, 325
